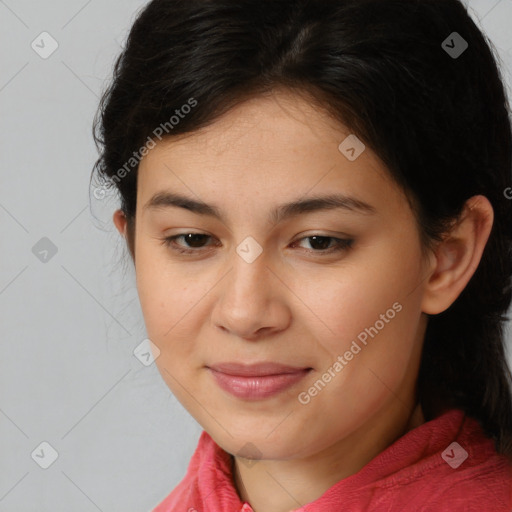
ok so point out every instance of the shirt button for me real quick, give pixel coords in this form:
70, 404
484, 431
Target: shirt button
246, 508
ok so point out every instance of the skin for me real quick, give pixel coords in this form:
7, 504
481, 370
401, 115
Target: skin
291, 305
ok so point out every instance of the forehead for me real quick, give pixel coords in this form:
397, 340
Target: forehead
272, 119
267, 147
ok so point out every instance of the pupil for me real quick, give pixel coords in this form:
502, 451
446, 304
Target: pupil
195, 237
314, 240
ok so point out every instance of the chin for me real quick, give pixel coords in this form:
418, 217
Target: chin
255, 447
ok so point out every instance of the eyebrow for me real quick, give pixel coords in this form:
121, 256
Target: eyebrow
282, 212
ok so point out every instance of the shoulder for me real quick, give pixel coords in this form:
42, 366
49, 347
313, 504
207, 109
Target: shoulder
461, 473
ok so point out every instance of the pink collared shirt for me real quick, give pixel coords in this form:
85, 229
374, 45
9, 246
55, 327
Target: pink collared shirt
445, 465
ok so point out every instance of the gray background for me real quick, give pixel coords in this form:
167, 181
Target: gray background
70, 324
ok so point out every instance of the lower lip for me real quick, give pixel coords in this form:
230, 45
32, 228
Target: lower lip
257, 388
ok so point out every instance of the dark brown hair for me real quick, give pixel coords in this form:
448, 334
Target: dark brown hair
439, 121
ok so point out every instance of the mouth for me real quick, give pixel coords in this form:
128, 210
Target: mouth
256, 381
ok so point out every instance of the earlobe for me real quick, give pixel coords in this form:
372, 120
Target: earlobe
119, 219
458, 256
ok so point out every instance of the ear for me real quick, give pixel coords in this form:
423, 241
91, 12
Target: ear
120, 222
458, 255
126, 230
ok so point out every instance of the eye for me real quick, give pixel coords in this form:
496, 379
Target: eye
195, 239
320, 243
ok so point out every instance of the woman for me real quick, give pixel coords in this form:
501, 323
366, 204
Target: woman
313, 193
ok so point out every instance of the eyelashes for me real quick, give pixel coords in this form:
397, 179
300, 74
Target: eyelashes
340, 244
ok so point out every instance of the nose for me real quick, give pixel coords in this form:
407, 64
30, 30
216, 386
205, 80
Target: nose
252, 299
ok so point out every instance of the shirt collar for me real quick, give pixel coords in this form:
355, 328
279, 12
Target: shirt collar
408, 455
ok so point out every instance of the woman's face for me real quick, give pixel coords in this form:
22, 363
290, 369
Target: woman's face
256, 289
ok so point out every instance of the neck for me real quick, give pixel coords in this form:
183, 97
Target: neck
285, 485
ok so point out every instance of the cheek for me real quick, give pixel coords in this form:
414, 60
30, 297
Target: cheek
370, 312
165, 299
165, 291
380, 350
341, 304
170, 302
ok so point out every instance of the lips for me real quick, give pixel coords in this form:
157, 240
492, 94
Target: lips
256, 381
256, 370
